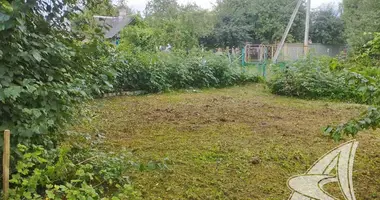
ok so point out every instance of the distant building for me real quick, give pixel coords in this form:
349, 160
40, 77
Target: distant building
112, 26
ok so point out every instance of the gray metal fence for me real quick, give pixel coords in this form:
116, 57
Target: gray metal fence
294, 51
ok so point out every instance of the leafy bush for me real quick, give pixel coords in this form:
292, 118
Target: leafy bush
178, 70
69, 173
307, 79
316, 79
45, 72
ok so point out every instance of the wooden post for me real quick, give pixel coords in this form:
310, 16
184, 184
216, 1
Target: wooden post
6, 158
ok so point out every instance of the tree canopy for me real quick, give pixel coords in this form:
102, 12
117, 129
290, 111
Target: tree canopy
258, 21
235, 22
327, 27
360, 17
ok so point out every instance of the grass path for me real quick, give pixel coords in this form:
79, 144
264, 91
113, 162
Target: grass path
234, 143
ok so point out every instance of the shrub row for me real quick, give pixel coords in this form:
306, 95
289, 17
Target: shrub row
314, 79
177, 70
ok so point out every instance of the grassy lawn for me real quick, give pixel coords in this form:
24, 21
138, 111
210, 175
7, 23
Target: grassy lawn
233, 143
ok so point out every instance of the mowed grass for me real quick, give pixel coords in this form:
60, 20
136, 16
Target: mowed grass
233, 143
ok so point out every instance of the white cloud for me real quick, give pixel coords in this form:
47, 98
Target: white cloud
139, 5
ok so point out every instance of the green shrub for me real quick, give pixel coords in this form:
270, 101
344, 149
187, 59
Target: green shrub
315, 79
45, 73
178, 70
70, 173
307, 79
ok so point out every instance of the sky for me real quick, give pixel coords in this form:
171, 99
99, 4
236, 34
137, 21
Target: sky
139, 5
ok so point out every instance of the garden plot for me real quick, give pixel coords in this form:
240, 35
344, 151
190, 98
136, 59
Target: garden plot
234, 143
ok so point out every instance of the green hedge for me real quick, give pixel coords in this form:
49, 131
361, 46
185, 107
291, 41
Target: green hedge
315, 79
155, 72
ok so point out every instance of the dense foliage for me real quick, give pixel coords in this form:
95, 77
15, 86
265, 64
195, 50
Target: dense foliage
231, 23
44, 70
181, 26
179, 70
71, 173
360, 17
327, 26
315, 79
56, 174
258, 21
50, 67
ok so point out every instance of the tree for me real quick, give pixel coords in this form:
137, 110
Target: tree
274, 16
193, 23
139, 36
327, 27
360, 17
162, 9
234, 23
179, 26
257, 21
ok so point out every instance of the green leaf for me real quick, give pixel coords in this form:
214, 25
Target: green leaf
368, 120
50, 194
4, 17
36, 55
12, 92
27, 195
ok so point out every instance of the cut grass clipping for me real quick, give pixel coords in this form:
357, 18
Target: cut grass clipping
234, 143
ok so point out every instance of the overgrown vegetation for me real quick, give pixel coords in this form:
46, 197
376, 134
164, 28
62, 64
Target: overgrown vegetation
47, 70
70, 174
50, 67
353, 80
76, 172
54, 58
359, 18
152, 72
314, 78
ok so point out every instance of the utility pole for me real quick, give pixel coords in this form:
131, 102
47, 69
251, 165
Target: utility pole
279, 48
307, 27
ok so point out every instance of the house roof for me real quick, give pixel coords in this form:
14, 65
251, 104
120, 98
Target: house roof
113, 25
